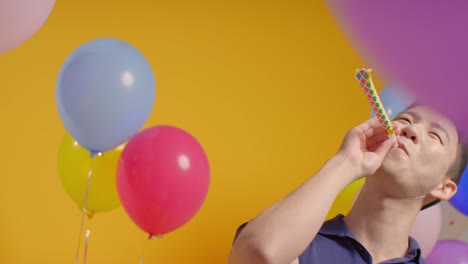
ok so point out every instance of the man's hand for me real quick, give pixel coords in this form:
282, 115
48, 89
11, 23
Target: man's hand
366, 146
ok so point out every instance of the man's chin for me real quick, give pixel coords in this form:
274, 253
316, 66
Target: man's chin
391, 167
395, 159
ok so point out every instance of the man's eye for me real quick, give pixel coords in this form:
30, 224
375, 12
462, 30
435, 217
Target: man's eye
436, 135
405, 120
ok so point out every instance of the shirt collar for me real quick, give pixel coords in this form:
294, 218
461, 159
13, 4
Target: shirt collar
337, 227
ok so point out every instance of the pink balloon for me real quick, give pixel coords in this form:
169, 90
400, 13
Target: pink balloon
21, 19
421, 46
162, 178
426, 228
454, 223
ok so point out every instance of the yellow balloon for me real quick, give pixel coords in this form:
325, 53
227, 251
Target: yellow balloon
345, 199
74, 163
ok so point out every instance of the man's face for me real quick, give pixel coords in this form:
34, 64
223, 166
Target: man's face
427, 149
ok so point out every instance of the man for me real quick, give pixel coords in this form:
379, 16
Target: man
422, 167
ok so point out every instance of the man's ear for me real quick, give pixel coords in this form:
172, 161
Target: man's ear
445, 190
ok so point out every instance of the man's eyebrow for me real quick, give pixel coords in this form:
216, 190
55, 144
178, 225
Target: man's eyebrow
411, 113
439, 126
415, 115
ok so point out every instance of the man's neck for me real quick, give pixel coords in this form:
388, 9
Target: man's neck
382, 224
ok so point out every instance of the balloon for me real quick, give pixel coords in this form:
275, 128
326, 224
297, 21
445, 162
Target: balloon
395, 100
345, 199
453, 222
74, 163
105, 92
426, 228
20, 20
460, 199
449, 252
162, 178
418, 45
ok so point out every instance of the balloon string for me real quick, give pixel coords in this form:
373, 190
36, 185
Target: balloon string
143, 250
88, 234
83, 215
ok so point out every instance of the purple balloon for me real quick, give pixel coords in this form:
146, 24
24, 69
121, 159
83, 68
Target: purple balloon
449, 252
419, 44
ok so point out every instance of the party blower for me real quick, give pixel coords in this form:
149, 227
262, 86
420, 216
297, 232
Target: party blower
365, 80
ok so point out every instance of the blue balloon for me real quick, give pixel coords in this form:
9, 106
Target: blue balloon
105, 92
460, 199
395, 100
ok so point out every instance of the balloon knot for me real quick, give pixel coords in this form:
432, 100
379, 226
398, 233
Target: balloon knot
93, 153
90, 214
152, 235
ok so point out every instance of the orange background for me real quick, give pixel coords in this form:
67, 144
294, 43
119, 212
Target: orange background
267, 87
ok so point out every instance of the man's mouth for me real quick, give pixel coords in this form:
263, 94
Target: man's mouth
402, 147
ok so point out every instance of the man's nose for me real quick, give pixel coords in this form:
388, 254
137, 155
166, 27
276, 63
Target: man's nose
409, 132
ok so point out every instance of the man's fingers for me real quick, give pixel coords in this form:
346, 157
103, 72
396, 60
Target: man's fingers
371, 132
370, 123
376, 139
383, 148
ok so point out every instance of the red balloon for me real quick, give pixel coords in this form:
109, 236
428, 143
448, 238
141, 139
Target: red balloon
163, 178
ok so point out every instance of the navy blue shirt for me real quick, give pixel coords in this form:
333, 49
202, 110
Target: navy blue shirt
334, 243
